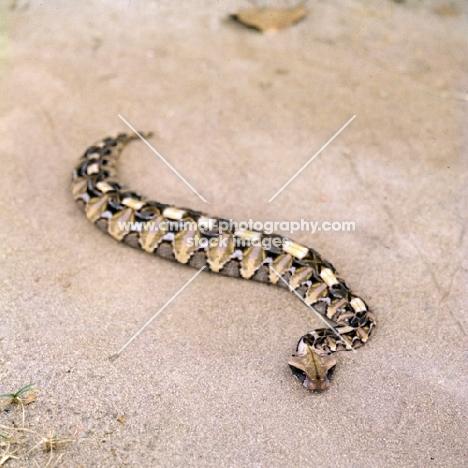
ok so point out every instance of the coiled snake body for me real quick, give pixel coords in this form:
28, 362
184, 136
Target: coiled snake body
172, 233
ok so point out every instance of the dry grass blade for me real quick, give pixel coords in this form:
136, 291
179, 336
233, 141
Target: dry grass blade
6, 443
17, 398
15, 442
51, 443
21, 438
6, 455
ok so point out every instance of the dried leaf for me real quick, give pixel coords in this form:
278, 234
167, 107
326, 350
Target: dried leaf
270, 20
29, 399
447, 10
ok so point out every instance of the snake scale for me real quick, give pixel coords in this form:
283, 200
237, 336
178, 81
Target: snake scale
169, 232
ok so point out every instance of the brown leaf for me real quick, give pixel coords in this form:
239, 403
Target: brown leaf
29, 399
270, 20
447, 10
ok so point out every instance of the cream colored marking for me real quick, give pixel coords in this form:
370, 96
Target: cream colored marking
252, 259
331, 342
328, 276
301, 275
334, 307
315, 292
238, 255
343, 330
281, 264
132, 203
95, 208
151, 238
125, 217
93, 169
104, 187
169, 237
185, 243
79, 186
93, 156
296, 250
362, 334
219, 255
358, 304
173, 213
250, 235
346, 315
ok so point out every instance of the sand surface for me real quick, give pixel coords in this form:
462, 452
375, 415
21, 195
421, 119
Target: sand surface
237, 113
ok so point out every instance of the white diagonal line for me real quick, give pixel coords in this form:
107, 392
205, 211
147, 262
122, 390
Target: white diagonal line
319, 315
116, 355
312, 158
162, 159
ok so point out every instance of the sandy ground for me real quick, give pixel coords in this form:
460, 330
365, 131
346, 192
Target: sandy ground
237, 113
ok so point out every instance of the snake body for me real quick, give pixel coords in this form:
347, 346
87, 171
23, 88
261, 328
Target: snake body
171, 233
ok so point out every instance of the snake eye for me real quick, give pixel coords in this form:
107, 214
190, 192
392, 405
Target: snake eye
298, 373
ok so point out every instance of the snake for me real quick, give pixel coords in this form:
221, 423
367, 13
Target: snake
195, 239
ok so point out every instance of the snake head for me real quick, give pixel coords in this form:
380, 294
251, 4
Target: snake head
312, 369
